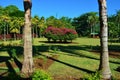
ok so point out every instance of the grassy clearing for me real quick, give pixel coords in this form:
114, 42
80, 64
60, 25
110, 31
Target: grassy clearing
75, 60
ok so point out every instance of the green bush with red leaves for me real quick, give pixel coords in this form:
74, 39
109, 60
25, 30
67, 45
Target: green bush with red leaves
60, 34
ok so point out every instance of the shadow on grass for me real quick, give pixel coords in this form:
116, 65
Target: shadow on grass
4, 58
58, 42
9, 60
71, 50
115, 48
70, 65
10, 67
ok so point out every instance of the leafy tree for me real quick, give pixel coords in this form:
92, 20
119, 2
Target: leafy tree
2, 12
112, 30
35, 22
27, 67
10, 18
114, 25
15, 26
58, 23
4, 22
66, 22
118, 22
50, 21
92, 21
104, 57
84, 22
42, 26
17, 13
10, 9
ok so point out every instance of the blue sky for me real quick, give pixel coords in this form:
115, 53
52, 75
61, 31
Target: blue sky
59, 8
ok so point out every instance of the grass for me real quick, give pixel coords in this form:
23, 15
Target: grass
73, 66
75, 60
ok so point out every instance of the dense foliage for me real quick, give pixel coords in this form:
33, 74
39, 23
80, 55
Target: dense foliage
87, 24
114, 25
41, 75
61, 34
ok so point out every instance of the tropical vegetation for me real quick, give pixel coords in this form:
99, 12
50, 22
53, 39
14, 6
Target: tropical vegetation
87, 24
61, 34
16, 24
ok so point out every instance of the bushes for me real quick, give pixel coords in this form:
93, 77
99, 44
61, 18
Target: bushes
41, 75
61, 34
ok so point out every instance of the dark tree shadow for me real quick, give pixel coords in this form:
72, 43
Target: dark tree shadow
4, 58
10, 67
70, 50
70, 65
118, 69
10, 59
14, 57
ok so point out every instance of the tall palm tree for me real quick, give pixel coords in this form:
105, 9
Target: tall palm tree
92, 21
27, 67
15, 26
35, 22
42, 25
104, 57
4, 25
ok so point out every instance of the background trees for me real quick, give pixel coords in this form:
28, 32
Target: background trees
86, 24
114, 25
35, 23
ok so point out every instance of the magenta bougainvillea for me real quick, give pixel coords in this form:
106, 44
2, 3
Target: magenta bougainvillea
61, 34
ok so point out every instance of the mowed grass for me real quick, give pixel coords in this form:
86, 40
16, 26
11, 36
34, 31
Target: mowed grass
74, 59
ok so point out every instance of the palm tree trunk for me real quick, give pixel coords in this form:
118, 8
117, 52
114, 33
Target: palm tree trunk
14, 36
27, 67
36, 32
4, 37
104, 57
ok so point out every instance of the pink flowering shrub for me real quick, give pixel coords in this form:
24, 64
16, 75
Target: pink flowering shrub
61, 34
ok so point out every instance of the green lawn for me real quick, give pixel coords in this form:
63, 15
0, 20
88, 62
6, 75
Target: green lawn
75, 59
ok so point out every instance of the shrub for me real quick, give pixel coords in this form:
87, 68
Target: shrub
52, 33
95, 76
41, 75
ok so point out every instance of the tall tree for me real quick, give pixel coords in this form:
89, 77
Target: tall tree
2, 12
35, 22
84, 22
42, 26
118, 22
51, 21
10, 9
27, 67
104, 57
5, 20
66, 22
92, 21
15, 26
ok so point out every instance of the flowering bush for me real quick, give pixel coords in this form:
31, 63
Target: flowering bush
61, 34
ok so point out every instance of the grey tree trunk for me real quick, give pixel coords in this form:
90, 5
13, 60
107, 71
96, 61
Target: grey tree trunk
104, 57
27, 67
